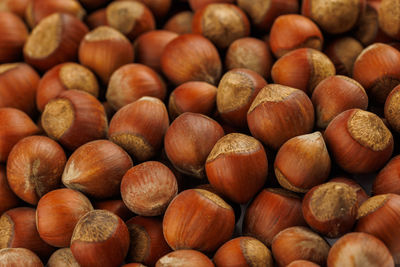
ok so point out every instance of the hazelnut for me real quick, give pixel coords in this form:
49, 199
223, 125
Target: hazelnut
359, 141
64, 77
289, 32
15, 126
184, 257
57, 214
54, 40
377, 69
249, 53
198, 219
331, 208
131, 82
19, 257
221, 23
96, 169
100, 238
181, 23
74, 118
302, 162
18, 7
195, 97
343, 52
243, 251
392, 109
368, 30
334, 95
345, 17
380, 216
34, 167
115, 48
189, 140
148, 188
22, 80
272, 211
235, 206
147, 240
299, 243
62, 258
131, 18
13, 34
139, 127
302, 68
361, 194
263, 13
236, 91
279, 113
96, 19
18, 230
237, 167
150, 45
359, 249
191, 57
8, 199
388, 13
37, 10
388, 179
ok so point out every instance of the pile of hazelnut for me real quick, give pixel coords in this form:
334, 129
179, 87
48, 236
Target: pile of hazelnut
199, 133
